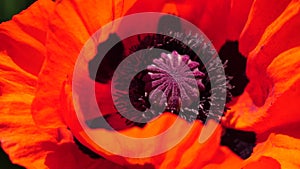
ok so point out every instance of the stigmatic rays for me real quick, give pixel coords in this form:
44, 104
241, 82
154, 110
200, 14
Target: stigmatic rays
174, 80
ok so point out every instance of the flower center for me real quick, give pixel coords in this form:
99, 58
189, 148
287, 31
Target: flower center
165, 83
173, 74
170, 82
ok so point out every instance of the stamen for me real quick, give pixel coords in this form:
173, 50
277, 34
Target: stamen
235, 67
170, 75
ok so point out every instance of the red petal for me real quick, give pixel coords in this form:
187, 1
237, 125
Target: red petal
184, 154
224, 159
210, 16
278, 150
215, 18
262, 14
281, 106
27, 144
262, 163
147, 6
238, 16
23, 38
73, 158
19, 136
71, 26
280, 36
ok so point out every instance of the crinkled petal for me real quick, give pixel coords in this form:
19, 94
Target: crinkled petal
219, 20
19, 136
224, 159
185, 154
281, 106
23, 37
281, 35
73, 158
263, 162
262, 14
188, 152
27, 144
239, 12
277, 151
71, 26
210, 16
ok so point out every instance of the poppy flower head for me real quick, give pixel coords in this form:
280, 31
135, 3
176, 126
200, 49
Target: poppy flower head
53, 33
165, 75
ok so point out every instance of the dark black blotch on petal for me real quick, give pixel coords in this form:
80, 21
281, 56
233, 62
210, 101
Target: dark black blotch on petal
114, 122
86, 150
236, 66
240, 142
103, 73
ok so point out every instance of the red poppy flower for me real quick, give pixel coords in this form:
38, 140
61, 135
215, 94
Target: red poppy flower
41, 45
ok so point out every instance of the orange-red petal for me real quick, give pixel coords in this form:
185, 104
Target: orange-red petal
239, 12
281, 106
27, 144
281, 35
262, 14
273, 70
224, 159
262, 163
278, 149
19, 137
210, 16
185, 154
23, 37
70, 28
